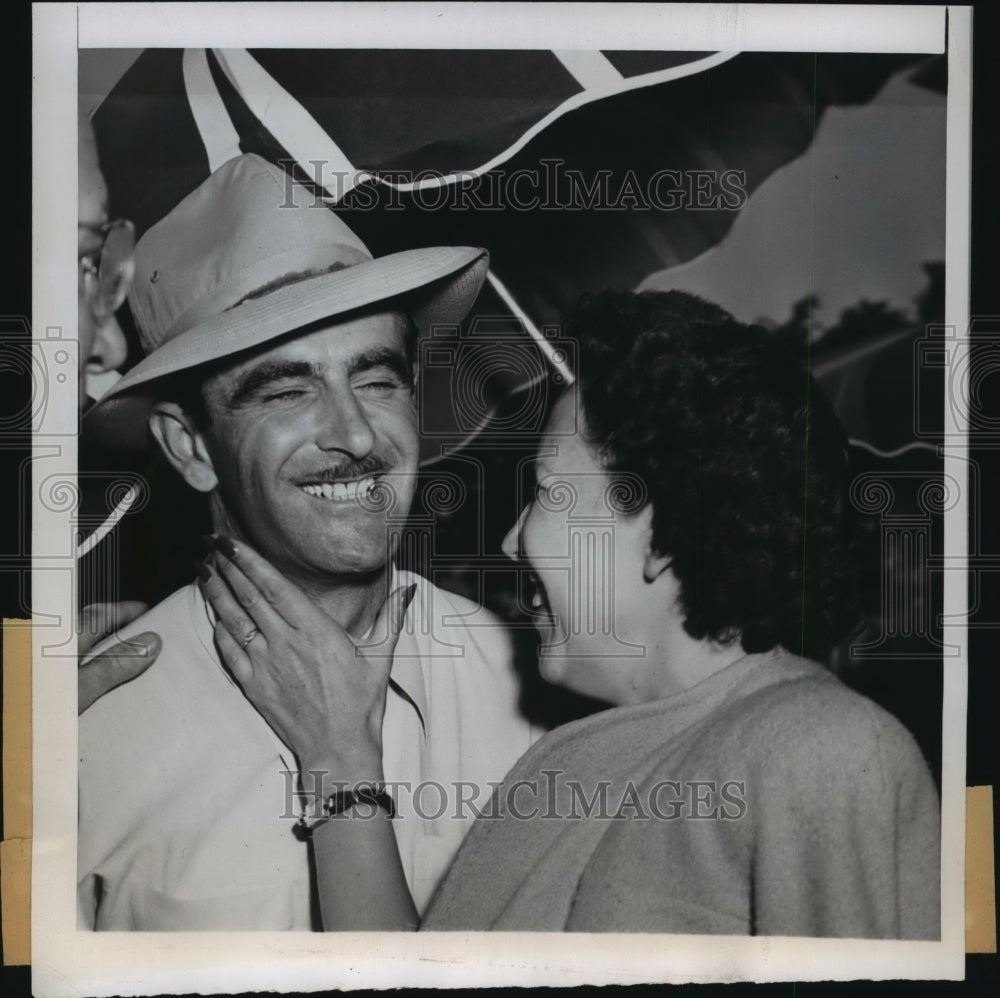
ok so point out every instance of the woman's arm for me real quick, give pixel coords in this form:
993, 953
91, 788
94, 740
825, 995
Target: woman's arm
359, 874
324, 696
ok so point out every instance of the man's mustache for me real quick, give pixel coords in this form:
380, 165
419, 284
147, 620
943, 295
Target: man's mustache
367, 467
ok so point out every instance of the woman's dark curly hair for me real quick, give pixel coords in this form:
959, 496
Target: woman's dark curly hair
744, 461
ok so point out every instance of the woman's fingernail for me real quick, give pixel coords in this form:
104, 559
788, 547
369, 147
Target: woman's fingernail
147, 643
204, 572
225, 545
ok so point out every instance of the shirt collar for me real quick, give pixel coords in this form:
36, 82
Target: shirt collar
407, 677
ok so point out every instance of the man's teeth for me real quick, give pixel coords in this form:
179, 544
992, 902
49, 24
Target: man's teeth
341, 491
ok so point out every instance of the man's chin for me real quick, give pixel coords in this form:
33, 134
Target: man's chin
336, 565
331, 546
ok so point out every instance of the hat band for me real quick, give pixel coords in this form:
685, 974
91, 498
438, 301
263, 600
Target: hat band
264, 276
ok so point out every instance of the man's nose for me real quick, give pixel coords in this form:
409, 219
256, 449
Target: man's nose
344, 426
109, 348
512, 541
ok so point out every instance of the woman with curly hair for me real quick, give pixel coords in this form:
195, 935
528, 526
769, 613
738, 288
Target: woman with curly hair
748, 790
691, 547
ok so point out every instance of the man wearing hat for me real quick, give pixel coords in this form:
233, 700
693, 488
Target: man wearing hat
279, 381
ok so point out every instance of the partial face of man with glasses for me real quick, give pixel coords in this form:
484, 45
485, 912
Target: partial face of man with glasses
106, 266
105, 259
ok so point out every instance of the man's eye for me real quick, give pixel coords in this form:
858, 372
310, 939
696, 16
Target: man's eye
284, 394
380, 385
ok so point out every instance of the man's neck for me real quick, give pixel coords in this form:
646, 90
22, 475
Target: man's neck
352, 602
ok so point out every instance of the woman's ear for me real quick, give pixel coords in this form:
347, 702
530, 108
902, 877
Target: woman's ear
655, 564
183, 445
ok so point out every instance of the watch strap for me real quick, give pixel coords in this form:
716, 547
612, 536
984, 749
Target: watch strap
342, 800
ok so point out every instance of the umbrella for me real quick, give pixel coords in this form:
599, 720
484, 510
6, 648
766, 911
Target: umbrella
576, 170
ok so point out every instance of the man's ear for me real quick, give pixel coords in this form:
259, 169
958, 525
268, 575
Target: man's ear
183, 445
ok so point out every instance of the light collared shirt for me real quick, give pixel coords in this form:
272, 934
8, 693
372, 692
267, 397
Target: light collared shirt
188, 799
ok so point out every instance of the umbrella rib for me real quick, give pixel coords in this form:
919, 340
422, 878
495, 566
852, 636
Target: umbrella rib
896, 452
86, 546
290, 123
554, 356
219, 137
592, 70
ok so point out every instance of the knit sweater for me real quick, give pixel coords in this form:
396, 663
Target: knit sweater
768, 799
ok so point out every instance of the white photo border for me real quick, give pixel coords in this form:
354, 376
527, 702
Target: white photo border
70, 962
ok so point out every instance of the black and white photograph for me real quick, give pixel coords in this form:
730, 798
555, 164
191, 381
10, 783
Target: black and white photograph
503, 516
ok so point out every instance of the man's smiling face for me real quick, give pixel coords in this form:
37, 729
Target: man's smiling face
308, 439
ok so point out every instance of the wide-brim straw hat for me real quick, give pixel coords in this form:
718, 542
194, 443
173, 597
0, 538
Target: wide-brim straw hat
248, 257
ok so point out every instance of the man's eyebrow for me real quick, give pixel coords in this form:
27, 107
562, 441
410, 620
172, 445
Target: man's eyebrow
260, 376
386, 357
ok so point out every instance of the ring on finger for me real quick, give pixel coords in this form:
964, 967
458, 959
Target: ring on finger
250, 636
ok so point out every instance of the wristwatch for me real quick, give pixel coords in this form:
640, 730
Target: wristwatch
361, 793
343, 800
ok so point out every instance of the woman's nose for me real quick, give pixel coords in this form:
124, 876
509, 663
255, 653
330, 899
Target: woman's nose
512, 541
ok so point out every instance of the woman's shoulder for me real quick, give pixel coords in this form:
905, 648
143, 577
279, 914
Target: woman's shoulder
809, 720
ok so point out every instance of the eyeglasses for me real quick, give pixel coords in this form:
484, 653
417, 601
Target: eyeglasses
106, 273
